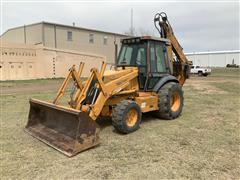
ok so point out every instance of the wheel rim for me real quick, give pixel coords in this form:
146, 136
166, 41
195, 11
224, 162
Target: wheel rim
175, 101
132, 117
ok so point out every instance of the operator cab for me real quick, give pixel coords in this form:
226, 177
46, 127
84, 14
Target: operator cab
149, 55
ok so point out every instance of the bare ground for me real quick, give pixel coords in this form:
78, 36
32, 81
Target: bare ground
201, 144
12, 88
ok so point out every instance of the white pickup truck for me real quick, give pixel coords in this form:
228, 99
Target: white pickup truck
201, 71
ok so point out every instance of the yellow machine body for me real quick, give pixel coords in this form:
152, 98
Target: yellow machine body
73, 129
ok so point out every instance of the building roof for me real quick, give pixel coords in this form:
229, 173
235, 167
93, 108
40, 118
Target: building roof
68, 26
214, 52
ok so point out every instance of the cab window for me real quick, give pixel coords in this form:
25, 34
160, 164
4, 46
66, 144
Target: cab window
141, 57
132, 55
126, 55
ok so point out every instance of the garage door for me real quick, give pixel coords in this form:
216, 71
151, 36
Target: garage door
16, 71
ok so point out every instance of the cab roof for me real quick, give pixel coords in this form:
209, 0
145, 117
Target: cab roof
144, 38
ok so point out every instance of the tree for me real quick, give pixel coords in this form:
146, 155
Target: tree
139, 32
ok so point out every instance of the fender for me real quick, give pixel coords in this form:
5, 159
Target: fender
164, 80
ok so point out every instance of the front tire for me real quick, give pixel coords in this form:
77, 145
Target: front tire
170, 101
126, 117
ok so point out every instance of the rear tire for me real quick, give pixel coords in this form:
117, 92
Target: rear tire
126, 117
170, 101
200, 73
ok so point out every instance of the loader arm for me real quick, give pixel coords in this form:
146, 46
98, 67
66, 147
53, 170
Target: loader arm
76, 77
104, 90
181, 63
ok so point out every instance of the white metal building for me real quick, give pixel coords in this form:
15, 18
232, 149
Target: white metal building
214, 58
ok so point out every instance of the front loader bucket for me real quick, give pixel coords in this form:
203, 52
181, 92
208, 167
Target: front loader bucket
64, 129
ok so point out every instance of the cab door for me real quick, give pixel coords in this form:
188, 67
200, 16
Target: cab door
159, 63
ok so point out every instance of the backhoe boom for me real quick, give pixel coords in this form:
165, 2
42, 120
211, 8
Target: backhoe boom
181, 63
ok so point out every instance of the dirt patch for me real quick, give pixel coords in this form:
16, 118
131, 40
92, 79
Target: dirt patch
205, 88
204, 85
29, 88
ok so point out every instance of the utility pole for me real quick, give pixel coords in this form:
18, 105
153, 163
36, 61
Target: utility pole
131, 21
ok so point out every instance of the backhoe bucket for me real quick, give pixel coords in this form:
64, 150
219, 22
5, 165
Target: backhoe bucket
65, 129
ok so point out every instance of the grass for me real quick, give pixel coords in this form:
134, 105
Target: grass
226, 72
203, 143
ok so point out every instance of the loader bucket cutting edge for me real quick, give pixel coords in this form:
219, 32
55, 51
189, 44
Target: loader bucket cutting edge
67, 130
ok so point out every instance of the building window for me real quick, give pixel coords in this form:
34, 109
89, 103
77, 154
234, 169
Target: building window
105, 38
69, 35
91, 38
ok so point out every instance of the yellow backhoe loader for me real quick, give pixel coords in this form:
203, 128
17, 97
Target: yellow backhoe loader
146, 78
